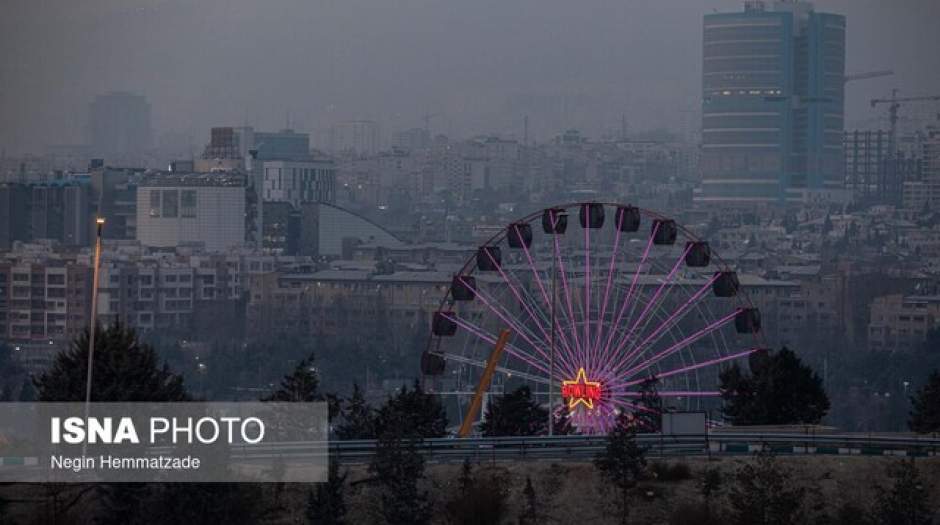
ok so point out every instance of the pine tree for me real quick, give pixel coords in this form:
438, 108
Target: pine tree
126, 370
622, 462
325, 502
358, 418
301, 385
780, 390
399, 469
418, 413
515, 414
925, 412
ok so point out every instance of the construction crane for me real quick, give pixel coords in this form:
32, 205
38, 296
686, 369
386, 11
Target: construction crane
848, 78
894, 103
869, 74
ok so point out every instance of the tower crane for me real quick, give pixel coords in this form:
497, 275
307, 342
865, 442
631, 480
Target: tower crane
868, 74
894, 103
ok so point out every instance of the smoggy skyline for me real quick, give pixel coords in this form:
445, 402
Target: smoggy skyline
480, 66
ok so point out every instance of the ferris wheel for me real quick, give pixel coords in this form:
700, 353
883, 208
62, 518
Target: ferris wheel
589, 303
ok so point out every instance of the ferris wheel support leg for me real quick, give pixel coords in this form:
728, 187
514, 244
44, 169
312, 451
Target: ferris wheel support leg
484, 385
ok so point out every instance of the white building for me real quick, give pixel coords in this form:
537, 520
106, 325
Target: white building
197, 209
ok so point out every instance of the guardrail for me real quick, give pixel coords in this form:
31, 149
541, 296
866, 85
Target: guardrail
586, 447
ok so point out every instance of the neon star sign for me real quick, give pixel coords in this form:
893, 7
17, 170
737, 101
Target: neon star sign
581, 391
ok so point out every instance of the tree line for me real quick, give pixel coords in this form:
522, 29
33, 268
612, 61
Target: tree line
776, 388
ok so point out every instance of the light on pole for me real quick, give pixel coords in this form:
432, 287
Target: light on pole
93, 321
551, 366
554, 219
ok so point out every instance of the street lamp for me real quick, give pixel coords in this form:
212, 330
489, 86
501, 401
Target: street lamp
93, 321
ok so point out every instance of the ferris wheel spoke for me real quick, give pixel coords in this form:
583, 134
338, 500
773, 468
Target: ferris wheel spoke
686, 369
626, 300
563, 343
635, 407
478, 363
626, 338
678, 346
637, 350
565, 291
512, 349
611, 360
587, 293
548, 303
574, 345
610, 277
671, 393
518, 326
524, 304
513, 323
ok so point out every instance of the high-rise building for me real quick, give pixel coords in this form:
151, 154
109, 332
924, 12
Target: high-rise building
931, 167
61, 212
120, 126
772, 103
14, 214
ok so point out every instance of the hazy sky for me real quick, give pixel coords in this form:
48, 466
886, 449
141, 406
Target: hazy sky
480, 64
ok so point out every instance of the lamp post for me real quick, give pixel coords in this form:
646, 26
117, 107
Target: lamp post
551, 360
553, 219
99, 225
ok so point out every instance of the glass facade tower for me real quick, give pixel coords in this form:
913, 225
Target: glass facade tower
772, 103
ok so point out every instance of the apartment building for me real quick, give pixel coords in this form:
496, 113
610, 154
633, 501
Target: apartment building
901, 322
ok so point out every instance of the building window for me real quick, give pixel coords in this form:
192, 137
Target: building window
171, 203
188, 203
154, 203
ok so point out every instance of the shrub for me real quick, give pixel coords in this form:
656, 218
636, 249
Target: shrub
678, 471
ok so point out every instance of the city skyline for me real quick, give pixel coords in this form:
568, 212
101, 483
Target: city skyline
483, 77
